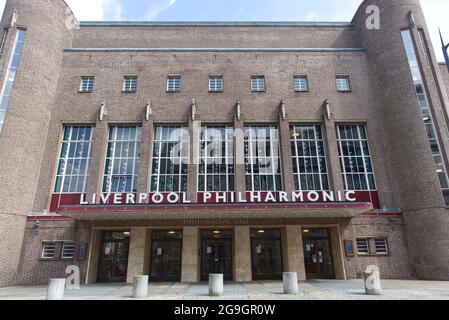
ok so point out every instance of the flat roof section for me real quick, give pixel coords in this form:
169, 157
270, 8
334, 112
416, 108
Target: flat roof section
216, 24
214, 50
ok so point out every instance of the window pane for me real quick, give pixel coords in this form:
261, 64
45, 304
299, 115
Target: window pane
215, 84
74, 160
258, 83
355, 157
170, 159
174, 84
427, 116
214, 150
130, 84
307, 143
300, 83
262, 159
362, 246
11, 74
342, 83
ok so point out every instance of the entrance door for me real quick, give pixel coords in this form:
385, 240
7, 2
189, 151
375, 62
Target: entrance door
318, 254
266, 254
113, 264
166, 251
216, 253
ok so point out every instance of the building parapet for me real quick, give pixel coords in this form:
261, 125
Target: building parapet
270, 24
214, 50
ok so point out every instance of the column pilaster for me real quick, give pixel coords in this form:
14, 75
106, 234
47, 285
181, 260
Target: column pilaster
97, 163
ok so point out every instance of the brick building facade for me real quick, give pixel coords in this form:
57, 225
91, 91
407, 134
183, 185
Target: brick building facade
248, 149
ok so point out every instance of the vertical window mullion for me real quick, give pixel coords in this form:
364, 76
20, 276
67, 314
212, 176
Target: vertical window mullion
66, 160
318, 158
274, 173
251, 157
88, 160
158, 176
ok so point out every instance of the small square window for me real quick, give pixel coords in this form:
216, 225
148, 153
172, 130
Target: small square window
216, 84
68, 250
130, 84
363, 246
258, 83
174, 84
342, 83
300, 83
48, 250
87, 84
381, 246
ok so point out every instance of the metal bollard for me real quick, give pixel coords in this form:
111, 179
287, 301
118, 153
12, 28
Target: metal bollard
140, 287
371, 279
216, 285
290, 280
55, 289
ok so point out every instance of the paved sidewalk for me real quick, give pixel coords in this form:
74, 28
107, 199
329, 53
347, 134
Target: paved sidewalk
266, 290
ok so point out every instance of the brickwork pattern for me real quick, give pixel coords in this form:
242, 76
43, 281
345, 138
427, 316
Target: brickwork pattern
25, 130
34, 269
394, 266
46, 96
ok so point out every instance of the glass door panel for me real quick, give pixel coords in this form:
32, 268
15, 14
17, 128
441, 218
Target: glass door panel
216, 253
113, 264
166, 252
266, 253
318, 254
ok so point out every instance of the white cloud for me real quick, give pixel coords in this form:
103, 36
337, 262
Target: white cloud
312, 16
96, 9
159, 7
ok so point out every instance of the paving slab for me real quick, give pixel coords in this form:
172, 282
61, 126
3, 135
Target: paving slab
257, 290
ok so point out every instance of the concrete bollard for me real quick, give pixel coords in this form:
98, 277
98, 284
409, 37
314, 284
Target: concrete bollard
140, 287
371, 279
216, 285
55, 289
290, 280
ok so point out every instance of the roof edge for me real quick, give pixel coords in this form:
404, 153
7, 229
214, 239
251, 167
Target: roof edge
324, 24
214, 50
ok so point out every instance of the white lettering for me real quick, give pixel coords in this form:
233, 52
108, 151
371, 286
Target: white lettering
297, 196
207, 196
82, 200
328, 196
283, 196
313, 196
241, 197
143, 197
184, 198
221, 198
104, 198
157, 198
255, 197
270, 197
118, 197
130, 198
173, 198
349, 198
339, 197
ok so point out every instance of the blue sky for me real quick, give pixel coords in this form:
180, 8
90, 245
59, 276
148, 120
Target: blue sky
244, 10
